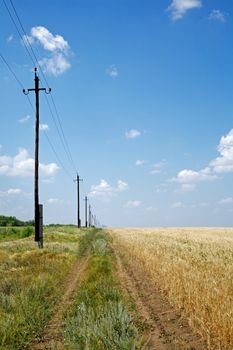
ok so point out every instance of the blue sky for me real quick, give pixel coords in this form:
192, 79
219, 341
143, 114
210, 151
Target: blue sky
144, 93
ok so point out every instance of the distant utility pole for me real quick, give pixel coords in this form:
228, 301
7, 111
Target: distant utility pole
78, 201
89, 215
37, 89
86, 211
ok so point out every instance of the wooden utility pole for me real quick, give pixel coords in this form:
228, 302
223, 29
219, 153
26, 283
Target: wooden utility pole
89, 215
37, 89
78, 201
86, 211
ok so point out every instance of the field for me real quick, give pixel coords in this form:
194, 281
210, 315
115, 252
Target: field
117, 289
194, 270
65, 296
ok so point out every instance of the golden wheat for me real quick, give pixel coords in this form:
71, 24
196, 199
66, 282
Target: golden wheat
194, 266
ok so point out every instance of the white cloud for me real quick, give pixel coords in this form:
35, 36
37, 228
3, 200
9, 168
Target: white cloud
58, 47
55, 65
224, 163
217, 15
112, 71
106, 191
177, 205
23, 165
157, 167
178, 8
140, 162
190, 176
10, 192
27, 40
228, 200
44, 127
49, 41
56, 201
10, 38
24, 119
0, 146
132, 134
186, 188
219, 165
133, 204
14, 191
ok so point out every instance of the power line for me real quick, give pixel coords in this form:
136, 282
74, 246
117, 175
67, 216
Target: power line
35, 62
33, 109
59, 121
12, 18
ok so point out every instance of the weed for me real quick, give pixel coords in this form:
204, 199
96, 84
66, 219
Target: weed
99, 319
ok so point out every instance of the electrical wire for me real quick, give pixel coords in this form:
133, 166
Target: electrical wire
35, 62
33, 109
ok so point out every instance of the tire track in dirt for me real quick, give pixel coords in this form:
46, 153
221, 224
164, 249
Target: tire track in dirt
51, 338
164, 328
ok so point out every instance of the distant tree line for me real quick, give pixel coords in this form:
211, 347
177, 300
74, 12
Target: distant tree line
13, 221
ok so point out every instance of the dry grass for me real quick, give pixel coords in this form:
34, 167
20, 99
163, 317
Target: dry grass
194, 266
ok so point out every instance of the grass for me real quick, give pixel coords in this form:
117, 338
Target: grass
31, 283
99, 318
194, 268
13, 233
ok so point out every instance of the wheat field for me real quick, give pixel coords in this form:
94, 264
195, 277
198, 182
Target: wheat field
194, 268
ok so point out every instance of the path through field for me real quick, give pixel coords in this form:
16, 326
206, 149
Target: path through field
164, 328
51, 338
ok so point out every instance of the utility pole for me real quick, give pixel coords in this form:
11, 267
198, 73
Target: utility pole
78, 201
85, 211
89, 215
37, 89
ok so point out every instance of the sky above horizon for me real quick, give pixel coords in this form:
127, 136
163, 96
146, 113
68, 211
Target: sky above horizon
143, 90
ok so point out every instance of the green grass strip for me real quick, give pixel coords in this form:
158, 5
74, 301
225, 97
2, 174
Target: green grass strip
12, 233
99, 319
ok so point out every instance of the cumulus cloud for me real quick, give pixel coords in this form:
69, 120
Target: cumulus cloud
44, 127
22, 165
132, 134
217, 15
221, 164
56, 45
49, 41
24, 119
55, 201
191, 176
224, 163
178, 8
133, 204
105, 191
11, 192
55, 65
112, 71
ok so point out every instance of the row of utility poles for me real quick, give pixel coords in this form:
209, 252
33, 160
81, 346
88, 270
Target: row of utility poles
90, 219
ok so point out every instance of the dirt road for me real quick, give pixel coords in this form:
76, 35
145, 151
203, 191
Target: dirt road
51, 338
164, 328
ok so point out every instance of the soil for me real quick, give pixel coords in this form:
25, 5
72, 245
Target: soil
162, 326
51, 338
